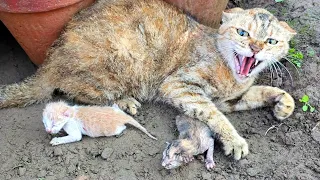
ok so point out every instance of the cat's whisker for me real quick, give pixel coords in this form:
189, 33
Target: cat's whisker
276, 71
285, 58
279, 72
271, 74
287, 72
278, 67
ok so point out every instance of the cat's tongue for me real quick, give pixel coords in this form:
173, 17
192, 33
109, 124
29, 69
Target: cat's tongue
246, 65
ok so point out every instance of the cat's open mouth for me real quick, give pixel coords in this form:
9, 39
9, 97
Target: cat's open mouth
244, 65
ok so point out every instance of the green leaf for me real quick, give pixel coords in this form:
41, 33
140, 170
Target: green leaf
304, 108
278, 1
299, 55
305, 99
312, 109
291, 50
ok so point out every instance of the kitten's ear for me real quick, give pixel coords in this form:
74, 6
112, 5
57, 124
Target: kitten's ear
233, 10
229, 13
67, 113
288, 28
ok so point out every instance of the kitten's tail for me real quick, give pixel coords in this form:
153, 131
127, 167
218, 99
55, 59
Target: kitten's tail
135, 123
32, 90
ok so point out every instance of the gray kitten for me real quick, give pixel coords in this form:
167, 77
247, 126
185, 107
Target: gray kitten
195, 138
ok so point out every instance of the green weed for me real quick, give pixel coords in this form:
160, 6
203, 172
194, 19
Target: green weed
295, 57
306, 106
311, 52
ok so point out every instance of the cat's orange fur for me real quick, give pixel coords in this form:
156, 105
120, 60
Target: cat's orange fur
93, 121
122, 50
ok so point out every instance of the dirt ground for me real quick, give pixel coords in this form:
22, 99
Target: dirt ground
289, 152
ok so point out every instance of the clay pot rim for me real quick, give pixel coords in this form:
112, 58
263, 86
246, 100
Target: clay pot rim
34, 6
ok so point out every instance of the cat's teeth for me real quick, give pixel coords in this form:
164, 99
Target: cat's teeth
242, 58
256, 63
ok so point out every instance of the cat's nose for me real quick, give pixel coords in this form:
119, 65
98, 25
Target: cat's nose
255, 48
48, 130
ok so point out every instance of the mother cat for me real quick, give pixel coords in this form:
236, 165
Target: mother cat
124, 50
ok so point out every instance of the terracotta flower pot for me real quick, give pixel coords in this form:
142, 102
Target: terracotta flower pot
207, 12
37, 23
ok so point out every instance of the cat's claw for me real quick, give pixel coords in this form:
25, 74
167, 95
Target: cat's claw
210, 164
235, 144
284, 106
129, 105
188, 159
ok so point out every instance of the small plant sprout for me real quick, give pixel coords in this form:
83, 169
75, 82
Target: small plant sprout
311, 52
295, 57
306, 106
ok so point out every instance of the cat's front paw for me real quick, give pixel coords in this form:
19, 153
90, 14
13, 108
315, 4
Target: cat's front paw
56, 141
129, 105
284, 106
210, 164
236, 144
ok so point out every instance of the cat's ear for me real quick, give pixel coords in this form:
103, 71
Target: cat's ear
291, 31
67, 113
229, 13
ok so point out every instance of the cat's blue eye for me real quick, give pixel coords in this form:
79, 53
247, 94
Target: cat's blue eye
242, 32
272, 41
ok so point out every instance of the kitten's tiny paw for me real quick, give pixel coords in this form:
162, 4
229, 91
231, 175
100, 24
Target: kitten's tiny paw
284, 106
129, 105
188, 159
55, 141
210, 164
235, 144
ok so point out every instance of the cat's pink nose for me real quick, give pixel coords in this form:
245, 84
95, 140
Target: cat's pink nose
48, 130
255, 48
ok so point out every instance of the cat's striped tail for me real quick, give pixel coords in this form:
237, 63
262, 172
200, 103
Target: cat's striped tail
32, 90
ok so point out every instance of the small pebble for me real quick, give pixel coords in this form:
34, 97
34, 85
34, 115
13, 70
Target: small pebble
315, 133
106, 153
57, 152
252, 171
22, 171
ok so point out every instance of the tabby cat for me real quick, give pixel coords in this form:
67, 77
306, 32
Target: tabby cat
127, 50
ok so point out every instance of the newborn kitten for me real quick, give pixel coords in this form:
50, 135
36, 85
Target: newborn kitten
93, 121
195, 138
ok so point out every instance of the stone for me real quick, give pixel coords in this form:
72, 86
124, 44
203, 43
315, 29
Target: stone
315, 133
21, 171
106, 153
57, 152
293, 138
252, 171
